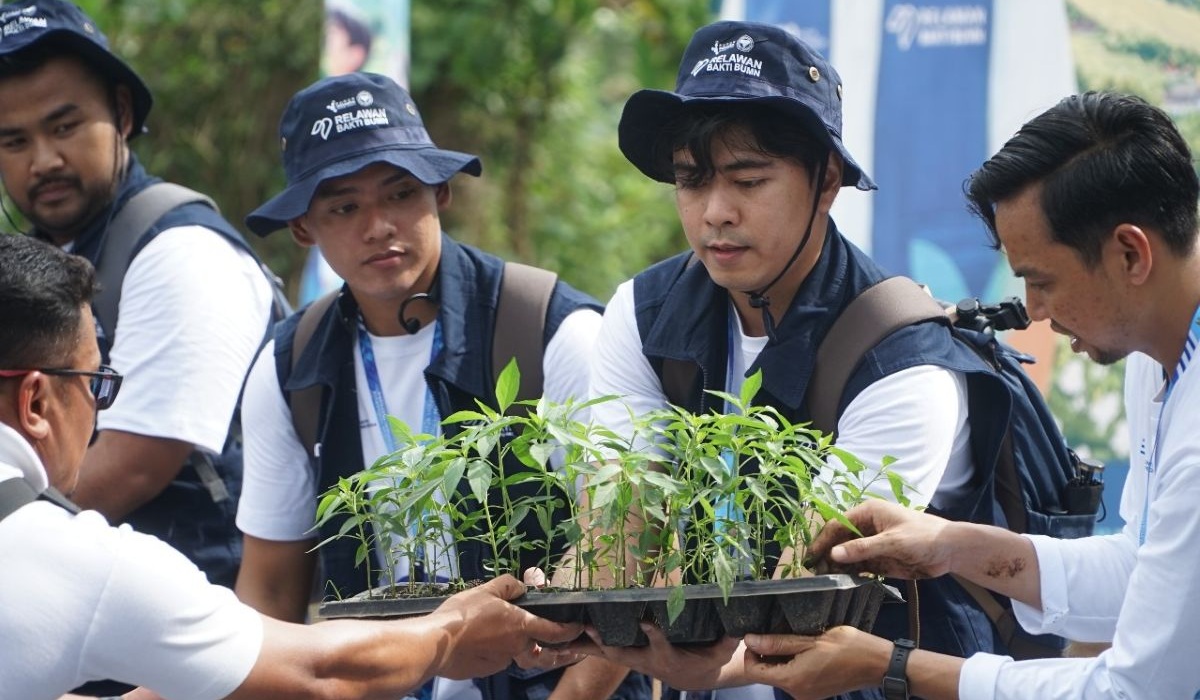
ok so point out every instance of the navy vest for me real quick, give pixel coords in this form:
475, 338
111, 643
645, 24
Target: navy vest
185, 513
469, 286
682, 314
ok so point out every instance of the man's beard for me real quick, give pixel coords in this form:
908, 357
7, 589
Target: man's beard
81, 208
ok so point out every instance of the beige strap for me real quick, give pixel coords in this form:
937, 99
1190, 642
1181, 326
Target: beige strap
521, 324
306, 403
873, 315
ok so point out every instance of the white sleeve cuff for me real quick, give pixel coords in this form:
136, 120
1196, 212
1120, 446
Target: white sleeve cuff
977, 680
1053, 580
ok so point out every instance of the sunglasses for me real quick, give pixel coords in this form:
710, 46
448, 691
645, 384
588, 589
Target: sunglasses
103, 383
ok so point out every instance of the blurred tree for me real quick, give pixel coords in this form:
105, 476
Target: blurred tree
221, 72
538, 96
535, 87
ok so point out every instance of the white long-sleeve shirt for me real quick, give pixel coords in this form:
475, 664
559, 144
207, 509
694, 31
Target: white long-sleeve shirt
1141, 596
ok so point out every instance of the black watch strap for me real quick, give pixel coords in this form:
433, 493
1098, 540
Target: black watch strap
895, 681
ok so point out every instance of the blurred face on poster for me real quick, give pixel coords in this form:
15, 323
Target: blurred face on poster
347, 42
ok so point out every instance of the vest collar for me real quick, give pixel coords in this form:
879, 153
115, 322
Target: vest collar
463, 304
692, 323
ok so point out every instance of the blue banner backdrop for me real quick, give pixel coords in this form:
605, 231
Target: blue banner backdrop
930, 135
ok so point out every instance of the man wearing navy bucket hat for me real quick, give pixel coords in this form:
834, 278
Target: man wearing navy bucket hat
751, 138
185, 303
417, 332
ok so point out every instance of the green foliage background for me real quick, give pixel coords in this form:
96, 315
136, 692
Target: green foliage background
535, 87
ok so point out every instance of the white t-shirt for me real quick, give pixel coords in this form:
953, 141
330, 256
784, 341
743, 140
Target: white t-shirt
918, 415
279, 494
1142, 598
194, 310
84, 601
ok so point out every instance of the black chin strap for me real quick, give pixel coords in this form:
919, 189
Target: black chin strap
759, 299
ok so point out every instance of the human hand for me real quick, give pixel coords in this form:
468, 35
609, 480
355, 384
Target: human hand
685, 668
840, 660
896, 542
487, 631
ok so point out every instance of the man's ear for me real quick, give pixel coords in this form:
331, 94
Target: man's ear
123, 108
832, 184
443, 195
1134, 252
300, 232
29, 404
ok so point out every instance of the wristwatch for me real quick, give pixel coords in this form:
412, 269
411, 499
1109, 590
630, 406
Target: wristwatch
895, 681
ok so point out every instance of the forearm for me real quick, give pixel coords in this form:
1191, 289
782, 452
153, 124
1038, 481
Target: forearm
123, 471
276, 578
933, 676
997, 559
593, 678
391, 662
842, 660
348, 659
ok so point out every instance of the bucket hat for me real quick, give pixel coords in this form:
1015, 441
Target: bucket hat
741, 63
58, 24
342, 124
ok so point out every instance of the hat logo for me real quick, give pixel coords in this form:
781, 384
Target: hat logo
322, 127
17, 23
364, 99
729, 63
718, 48
745, 44
336, 106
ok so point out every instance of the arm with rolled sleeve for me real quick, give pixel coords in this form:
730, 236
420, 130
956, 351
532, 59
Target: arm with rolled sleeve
1142, 597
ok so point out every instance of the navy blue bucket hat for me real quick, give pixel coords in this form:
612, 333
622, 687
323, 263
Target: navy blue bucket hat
740, 63
58, 25
342, 124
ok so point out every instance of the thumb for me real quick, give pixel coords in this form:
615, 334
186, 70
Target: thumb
551, 632
535, 577
505, 587
853, 551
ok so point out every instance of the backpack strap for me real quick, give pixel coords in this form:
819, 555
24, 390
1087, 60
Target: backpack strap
305, 404
520, 329
127, 227
15, 493
873, 315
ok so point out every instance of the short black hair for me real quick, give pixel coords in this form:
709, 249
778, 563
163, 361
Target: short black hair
1102, 159
42, 294
771, 132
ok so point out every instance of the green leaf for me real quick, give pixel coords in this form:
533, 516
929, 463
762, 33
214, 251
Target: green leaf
463, 417
454, 474
541, 452
750, 387
507, 385
479, 476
